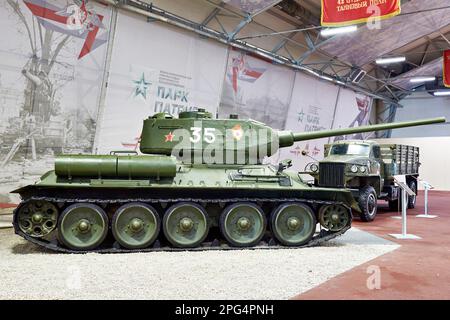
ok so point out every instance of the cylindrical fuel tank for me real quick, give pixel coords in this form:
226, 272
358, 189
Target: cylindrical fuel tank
143, 166
113, 166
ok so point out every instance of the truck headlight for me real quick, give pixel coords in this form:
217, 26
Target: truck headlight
354, 168
314, 167
363, 169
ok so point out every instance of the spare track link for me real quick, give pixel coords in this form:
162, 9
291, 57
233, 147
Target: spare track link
322, 237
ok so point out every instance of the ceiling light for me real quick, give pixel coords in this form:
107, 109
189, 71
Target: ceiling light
442, 93
390, 60
422, 79
334, 31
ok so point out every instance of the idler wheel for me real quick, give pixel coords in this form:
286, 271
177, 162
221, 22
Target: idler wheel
135, 225
37, 218
185, 225
293, 224
82, 226
334, 217
243, 224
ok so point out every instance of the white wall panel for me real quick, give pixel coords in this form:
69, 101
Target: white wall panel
422, 106
434, 155
256, 89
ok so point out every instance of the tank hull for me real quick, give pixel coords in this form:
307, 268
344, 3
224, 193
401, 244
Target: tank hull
214, 189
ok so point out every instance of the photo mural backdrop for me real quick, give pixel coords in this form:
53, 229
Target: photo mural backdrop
51, 71
311, 109
50, 76
158, 69
353, 110
256, 89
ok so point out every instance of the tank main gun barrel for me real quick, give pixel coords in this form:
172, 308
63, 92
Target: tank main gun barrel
288, 138
232, 138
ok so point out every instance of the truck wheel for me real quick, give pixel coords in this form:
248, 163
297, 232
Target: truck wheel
367, 203
412, 199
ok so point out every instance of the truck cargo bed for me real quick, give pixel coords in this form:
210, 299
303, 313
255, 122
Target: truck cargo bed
400, 159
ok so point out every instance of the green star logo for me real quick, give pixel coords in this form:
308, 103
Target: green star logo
141, 87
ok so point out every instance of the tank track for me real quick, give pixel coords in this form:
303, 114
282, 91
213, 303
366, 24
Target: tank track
322, 237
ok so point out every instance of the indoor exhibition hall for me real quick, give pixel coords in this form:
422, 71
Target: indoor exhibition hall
225, 156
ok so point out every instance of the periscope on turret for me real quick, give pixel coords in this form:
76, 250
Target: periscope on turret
200, 183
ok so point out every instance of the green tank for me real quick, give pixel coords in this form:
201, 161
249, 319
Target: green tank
200, 184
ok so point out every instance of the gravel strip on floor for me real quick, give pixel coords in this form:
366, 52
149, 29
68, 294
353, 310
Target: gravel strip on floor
29, 272
6, 221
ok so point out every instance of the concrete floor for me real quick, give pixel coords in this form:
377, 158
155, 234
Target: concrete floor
29, 272
419, 269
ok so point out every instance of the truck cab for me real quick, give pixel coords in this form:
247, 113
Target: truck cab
367, 169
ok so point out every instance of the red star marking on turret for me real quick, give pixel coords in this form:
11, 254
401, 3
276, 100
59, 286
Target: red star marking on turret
169, 137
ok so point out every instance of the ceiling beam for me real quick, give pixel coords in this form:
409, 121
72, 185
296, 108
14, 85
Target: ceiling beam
154, 12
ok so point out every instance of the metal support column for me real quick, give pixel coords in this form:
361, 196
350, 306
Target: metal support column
427, 187
105, 78
406, 191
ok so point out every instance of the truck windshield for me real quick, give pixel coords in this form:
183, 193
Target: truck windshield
350, 149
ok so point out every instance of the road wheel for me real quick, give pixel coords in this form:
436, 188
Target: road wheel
135, 225
37, 218
243, 224
83, 226
185, 225
412, 184
367, 203
293, 224
334, 217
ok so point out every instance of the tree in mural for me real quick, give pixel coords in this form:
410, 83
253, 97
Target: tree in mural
40, 91
49, 31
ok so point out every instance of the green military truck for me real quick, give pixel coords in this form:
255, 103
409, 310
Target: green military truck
368, 169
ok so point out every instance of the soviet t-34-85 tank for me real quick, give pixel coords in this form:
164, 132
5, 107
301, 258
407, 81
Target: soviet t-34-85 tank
200, 184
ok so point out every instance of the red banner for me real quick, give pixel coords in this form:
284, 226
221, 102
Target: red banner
337, 13
447, 68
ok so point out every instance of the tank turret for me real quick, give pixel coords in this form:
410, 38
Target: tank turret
197, 138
